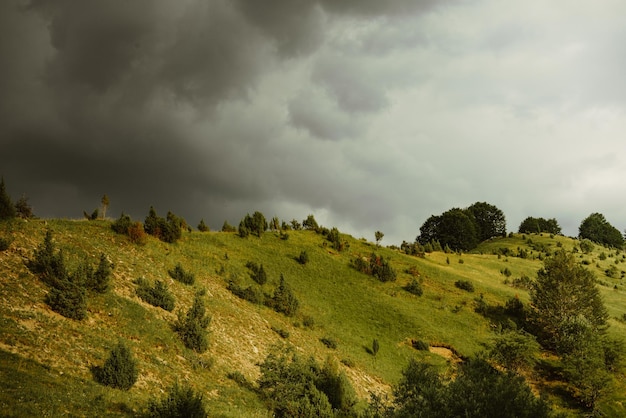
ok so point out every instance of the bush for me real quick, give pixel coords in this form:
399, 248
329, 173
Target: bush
136, 233
182, 401
202, 227
5, 243
420, 345
283, 301
251, 293
158, 295
376, 266
68, 298
257, 272
464, 285
329, 342
122, 224
98, 280
179, 274
167, 229
303, 258
192, 326
414, 287
119, 370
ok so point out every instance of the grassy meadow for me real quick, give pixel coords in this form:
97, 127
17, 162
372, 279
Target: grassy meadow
46, 359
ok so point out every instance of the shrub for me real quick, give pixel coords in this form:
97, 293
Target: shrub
283, 333
122, 224
329, 342
179, 274
251, 293
257, 272
303, 258
309, 322
7, 210
376, 266
181, 401
23, 208
192, 326
291, 386
202, 227
68, 298
119, 370
136, 233
414, 287
283, 301
167, 229
226, 227
338, 389
420, 345
464, 285
158, 295
5, 243
98, 280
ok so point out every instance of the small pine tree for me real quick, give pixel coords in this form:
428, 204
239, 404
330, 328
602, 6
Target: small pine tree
7, 210
119, 370
202, 227
192, 326
379, 236
303, 258
23, 208
98, 280
284, 301
158, 296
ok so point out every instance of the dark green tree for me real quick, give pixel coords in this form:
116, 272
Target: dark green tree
23, 208
226, 227
192, 326
289, 385
98, 280
488, 219
455, 228
7, 210
119, 370
563, 295
179, 274
202, 227
597, 229
310, 223
284, 301
379, 236
532, 225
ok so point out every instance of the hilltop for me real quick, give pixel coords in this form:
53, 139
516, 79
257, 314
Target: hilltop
46, 359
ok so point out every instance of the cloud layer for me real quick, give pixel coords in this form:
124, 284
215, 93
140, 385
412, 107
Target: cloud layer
371, 115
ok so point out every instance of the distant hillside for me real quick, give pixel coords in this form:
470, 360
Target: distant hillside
46, 360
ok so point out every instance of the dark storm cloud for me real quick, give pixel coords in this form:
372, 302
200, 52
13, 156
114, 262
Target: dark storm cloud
370, 114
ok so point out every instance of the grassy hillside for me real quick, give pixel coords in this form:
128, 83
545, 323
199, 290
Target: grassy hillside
45, 359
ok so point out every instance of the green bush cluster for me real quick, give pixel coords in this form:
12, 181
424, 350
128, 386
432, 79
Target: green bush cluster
68, 291
478, 390
464, 285
192, 326
257, 272
414, 287
168, 229
181, 401
179, 274
119, 370
255, 224
157, 295
294, 387
375, 266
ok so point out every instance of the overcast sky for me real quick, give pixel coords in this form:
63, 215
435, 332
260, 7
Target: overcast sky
371, 115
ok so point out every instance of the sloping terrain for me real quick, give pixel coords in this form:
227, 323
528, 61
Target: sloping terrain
45, 359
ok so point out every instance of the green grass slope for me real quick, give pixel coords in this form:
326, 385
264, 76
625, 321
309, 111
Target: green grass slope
45, 359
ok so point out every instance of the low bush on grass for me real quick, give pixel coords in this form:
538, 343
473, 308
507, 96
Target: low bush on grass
179, 274
464, 285
119, 370
157, 295
414, 287
181, 401
191, 327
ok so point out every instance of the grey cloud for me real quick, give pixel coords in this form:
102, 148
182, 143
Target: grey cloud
314, 112
350, 82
